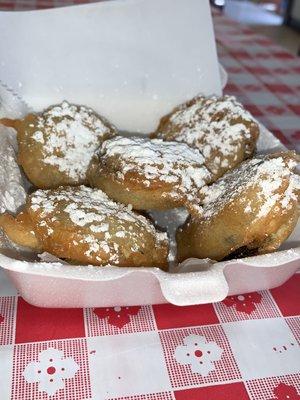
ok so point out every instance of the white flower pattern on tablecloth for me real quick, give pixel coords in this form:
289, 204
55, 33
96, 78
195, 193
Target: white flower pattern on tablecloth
198, 353
50, 371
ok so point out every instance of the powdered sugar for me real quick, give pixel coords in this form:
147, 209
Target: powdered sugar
217, 126
38, 136
12, 192
292, 189
120, 234
173, 163
266, 176
70, 135
248, 209
93, 211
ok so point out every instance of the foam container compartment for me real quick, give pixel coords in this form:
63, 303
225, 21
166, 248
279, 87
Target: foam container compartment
132, 61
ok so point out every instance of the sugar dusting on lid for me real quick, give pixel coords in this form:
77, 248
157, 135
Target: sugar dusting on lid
70, 135
92, 209
169, 162
266, 174
211, 124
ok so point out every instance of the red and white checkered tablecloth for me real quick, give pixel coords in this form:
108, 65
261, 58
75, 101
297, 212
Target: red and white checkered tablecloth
245, 347
263, 76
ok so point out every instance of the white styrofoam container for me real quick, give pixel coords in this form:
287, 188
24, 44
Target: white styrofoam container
54, 285
159, 79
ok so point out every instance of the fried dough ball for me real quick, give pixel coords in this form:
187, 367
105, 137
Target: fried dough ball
83, 225
220, 128
249, 211
56, 146
148, 174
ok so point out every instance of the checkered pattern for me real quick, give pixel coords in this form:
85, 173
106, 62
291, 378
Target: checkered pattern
143, 321
181, 375
154, 396
294, 325
143, 351
136, 360
76, 388
168, 316
263, 389
227, 391
266, 308
263, 76
7, 320
35, 324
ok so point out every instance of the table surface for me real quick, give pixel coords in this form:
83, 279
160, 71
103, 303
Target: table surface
245, 347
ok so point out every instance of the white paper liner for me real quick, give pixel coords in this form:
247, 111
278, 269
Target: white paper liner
11, 104
132, 61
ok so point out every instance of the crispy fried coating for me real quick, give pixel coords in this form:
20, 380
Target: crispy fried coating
83, 225
148, 174
251, 210
57, 145
20, 230
220, 128
11, 123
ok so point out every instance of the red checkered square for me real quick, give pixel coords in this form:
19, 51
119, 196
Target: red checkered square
295, 108
283, 55
6, 6
168, 316
232, 391
279, 88
151, 396
232, 89
275, 388
44, 4
105, 321
279, 134
287, 296
254, 110
75, 387
41, 324
275, 110
224, 369
258, 70
258, 305
240, 54
296, 135
7, 319
294, 325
